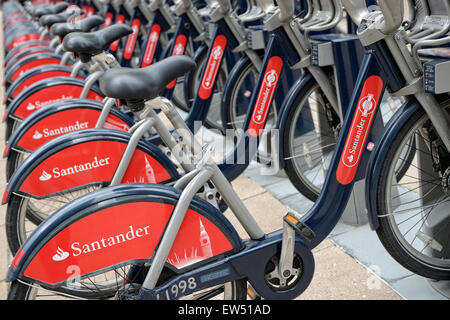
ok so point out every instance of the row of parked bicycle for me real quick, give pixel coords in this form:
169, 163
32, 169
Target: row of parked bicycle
111, 195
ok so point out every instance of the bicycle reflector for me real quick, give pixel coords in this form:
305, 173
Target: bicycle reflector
16, 260
6, 151
5, 196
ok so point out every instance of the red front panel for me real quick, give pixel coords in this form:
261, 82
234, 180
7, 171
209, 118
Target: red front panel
150, 48
84, 163
178, 48
131, 41
212, 67
359, 130
49, 95
108, 20
33, 64
265, 96
123, 233
64, 122
115, 45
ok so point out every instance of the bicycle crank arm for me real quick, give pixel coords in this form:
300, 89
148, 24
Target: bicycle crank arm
260, 254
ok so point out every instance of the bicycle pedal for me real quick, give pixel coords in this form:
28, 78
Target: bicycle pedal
299, 227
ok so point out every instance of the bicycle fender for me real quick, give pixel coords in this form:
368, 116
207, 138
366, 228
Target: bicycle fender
34, 61
37, 74
46, 92
131, 220
86, 157
62, 117
375, 161
12, 43
25, 46
32, 51
286, 106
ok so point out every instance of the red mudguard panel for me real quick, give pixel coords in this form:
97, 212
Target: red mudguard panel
15, 21
108, 20
64, 122
25, 38
33, 64
212, 67
123, 233
359, 130
48, 95
31, 45
152, 43
89, 162
38, 77
41, 50
265, 96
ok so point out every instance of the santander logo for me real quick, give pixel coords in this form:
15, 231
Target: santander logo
212, 67
265, 96
365, 109
151, 45
78, 248
179, 49
271, 78
45, 176
359, 130
61, 130
39, 104
37, 135
57, 172
60, 255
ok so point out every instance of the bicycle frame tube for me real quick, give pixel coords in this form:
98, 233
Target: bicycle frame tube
184, 31
137, 20
221, 41
351, 153
122, 17
279, 55
150, 47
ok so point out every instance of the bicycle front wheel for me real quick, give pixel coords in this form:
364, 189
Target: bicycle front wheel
413, 208
309, 140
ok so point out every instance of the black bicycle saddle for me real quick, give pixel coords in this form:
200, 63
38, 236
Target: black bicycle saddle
41, 10
144, 83
89, 44
49, 19
62, 29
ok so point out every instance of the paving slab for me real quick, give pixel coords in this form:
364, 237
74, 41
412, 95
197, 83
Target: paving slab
361, 244
338, 277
